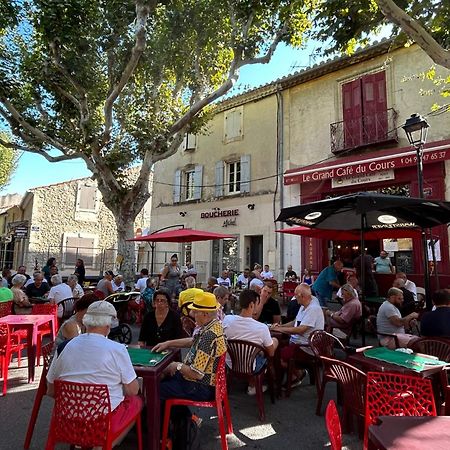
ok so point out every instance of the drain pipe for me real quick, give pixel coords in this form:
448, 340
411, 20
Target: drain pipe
280, 169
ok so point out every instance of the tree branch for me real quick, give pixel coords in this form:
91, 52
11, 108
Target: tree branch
270, 51
38, 134
416, 32
38, 151
142, 13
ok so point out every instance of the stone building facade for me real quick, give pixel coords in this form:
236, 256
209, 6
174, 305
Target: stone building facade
68, 221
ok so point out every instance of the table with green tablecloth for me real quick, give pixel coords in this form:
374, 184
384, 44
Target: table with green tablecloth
145, 357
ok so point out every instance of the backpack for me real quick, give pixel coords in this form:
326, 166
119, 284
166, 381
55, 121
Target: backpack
186, 434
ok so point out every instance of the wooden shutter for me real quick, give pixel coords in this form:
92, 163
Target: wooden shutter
245, 173
79, 247
177, 187
198, 178
352, 113
374, 107
219, 178
233, 124
87, 195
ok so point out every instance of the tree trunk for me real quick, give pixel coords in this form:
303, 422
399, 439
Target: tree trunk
126, 257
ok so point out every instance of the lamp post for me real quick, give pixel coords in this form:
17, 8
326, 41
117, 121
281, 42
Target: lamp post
416, 129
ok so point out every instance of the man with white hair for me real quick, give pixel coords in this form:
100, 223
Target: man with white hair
93, 358
186, 297
59, 292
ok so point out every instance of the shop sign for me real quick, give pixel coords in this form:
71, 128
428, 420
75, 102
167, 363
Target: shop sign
217, 212
363, 178
21, 232
229, 222
365, 167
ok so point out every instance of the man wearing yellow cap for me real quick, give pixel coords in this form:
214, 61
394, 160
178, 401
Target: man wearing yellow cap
195, 378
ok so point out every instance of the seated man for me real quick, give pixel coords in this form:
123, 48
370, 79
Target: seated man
350, 311
437, 322
93, 358
224, 280
37, 288
211, 284
186, 297
59, 292
222, 294
309, 318
243, 280
266, 274
390, 321
244, 327
410, 285
408, 305
195, 379
268, 311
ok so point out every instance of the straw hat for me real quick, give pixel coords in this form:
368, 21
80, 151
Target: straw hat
204, 301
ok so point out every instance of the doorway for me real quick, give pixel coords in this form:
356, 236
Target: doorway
256, 250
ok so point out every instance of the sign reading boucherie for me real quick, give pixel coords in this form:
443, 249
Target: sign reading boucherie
357, 166
219, 213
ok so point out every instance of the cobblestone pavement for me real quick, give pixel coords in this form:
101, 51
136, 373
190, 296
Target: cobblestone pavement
291, 422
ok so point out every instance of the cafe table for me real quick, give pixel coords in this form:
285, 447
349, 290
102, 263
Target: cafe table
410, 433
380, 359
151, 375
30, 323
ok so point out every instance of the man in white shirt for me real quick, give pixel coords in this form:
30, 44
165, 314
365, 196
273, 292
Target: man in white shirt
309, 318
141, 284
410, 285
243, 280
244, 327
266, 274
224, 280
59, 292
93, 358
390, 321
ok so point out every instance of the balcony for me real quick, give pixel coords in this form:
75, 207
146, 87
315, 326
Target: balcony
377, 128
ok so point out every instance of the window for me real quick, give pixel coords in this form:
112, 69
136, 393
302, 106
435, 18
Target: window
79, 246
86, 197
233, 177
365, 110
233, 125
189, 143
188, 184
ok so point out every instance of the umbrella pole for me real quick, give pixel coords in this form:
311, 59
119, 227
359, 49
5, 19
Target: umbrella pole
152, 245
428, 302
363, 278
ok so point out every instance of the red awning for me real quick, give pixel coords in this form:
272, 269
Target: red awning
182, 235
369, 163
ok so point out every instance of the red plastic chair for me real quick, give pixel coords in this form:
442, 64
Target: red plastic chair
220, 403
81, 416
42, 390
435, 346
9, 344
333, 426
394, 394
288, 290
352, 386
46, 329
243, 356
6, 308
188, 325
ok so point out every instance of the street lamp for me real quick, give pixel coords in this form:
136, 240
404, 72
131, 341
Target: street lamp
416, 129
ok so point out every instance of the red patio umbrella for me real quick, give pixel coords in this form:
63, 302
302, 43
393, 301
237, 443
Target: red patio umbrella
352, 235
182, 235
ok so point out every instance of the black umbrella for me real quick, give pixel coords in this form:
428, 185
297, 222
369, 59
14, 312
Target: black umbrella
366, 211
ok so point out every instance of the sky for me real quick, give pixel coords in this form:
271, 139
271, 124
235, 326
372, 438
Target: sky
34, 170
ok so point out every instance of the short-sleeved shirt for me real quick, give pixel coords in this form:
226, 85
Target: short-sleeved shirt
271, 308
382, 265
225, 282
153, 334
290, 273
33, 291
436, 323
92, 358
267, 275
312, 317
207, 347
387, 309
141, 284
247, 329
350, 310
322, 284
242, 280
186, 297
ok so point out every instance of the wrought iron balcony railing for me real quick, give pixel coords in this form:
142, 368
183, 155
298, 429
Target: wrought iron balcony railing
365, 130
